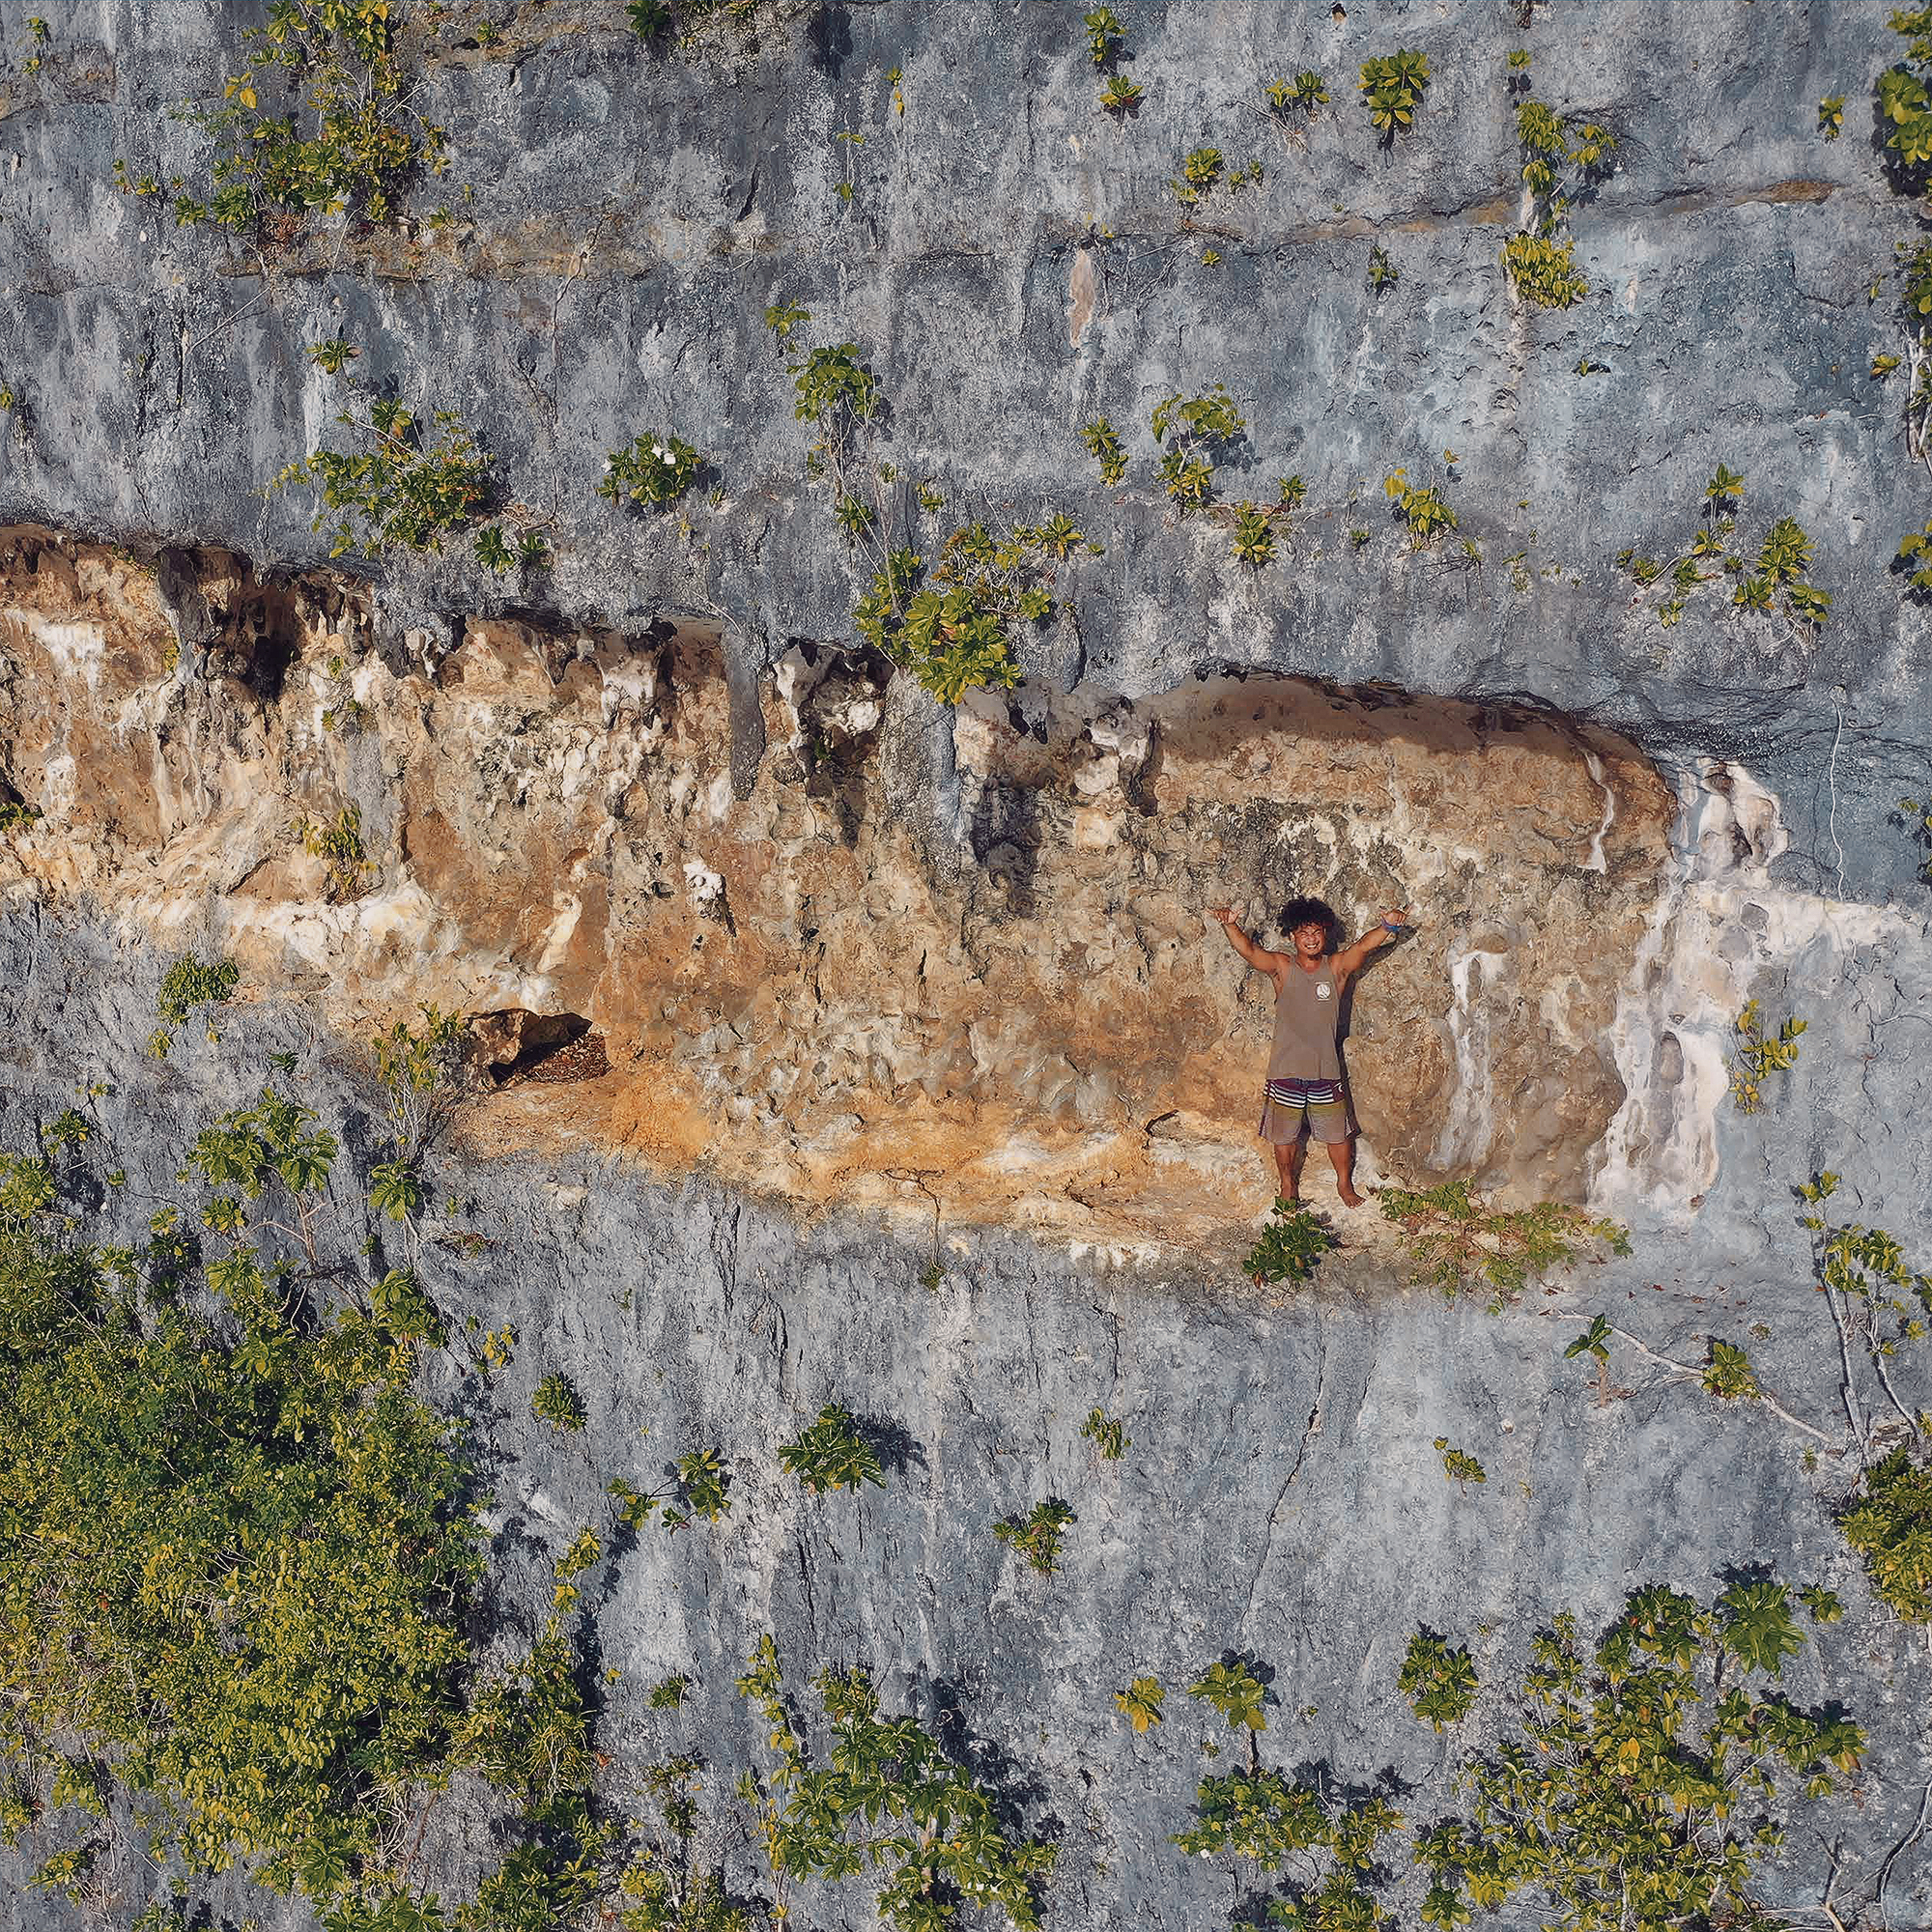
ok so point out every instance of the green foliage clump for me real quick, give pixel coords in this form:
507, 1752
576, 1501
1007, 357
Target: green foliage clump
233, 1563
1259, 1815
1233, 1690
1291, 1246
1638, 1798
1461, 1240
834, 386
1903, 102
1191, 429
557, 1402
338, 843
1200, 170
669, 1692
1890, 1526
1425, 511
1832, 116
1459, 1466
1104, 34
1729, 1375
1304, 93
1106, 1435
403, 490
1758, 1055
705, 1488
1392, 88
188, 985
1140, 1703
1559, 152
1122, 94
348, 139
655, 469
16, 818
944, 1845
1918, 813
832, 1454
1255, 537
1382, 273
1782, 562
1439, 1680
1037, 1536
1103, 443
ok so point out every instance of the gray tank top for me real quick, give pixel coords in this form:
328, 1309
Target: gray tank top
1307, 1012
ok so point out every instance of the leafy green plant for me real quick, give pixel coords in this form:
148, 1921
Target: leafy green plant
1382, 273
1038, 1536
782, 318
188, 986
835, 388
1782, 563
1291, 1246
656, 469
1439, 1680
1729, 1375
348, 139
558, 1403
1918, 813
1832, 116
1106, 1435
1121, 95
1104, 34
402, 490
1425, 511
338, 842
705, 1488
1757, 1056
1303, 94
1890, 1526
669, 1692
1392, 88
832, 1454
945, 1844
1559, 153
1459, 1466
1233, 1690
1103, 443
15, 817
1140, 1703
1461, 1240
1190, 429
1902, 101
1638, 1795
1595, 1340
1200, 168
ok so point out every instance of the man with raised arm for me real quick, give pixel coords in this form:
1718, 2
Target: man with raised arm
1303, 1091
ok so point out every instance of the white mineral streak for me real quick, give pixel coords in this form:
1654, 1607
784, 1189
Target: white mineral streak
1597, 861
1693, 969
1470, 1126
77, 650
703, 884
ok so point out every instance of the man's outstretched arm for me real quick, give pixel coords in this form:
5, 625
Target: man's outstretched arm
1257, 956
1350, 959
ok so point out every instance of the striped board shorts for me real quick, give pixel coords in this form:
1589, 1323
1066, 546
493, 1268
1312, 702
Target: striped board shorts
1291, 1108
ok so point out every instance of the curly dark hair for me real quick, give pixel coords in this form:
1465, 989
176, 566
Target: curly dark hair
1302, 912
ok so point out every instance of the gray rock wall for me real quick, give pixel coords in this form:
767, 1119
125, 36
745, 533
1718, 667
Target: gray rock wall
619, 218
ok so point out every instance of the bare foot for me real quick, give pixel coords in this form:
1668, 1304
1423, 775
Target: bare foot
1350, 1198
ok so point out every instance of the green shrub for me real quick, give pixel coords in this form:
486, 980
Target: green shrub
1890, 1526
1305, 93
1459, 1466
832, 1454
1235, 1691
1037, 1536
187, 987
1425, 511
1439, 1680
1461, 1240
1902, 101
1392, 87
1122, 94
1103, 442
353, 137
1140, 1703
1106, 1435
944, 1843
669, 1692
1757, 1056
1558, 153
1729, 1375
402, 490
558, 1403
655, 469
1104, 34
1291, 1246
338, 843
705, 1488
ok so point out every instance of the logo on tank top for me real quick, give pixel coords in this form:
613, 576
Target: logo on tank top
1322, 990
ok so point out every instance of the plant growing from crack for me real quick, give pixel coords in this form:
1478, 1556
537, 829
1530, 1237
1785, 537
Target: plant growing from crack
1562, 157
1423, 509
832, 1454
1757, 1054
345, 137
338, 843
1121, 95
1290, 1247
1459, 1466
1777, 582
189, 986
1204, 170
656, 468
1105, 35
1140, 1703
1382, 273
1461, 1240
558, 1403
1038, 1536
1191, 429
890, 1797
1106, 1433
1918, 814
1392, 88
1439, 1680
1103, 444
